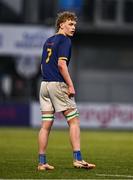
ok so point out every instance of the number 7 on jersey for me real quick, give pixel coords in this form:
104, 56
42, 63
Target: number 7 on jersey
49, 51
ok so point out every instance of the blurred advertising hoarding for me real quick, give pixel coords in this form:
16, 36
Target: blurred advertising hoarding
93, 115
23, 40
14, 114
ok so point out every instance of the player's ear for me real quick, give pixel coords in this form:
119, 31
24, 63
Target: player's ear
62, 25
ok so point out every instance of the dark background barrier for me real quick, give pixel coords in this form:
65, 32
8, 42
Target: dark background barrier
14, 114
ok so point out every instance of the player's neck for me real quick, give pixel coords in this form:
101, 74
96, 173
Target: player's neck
61, 32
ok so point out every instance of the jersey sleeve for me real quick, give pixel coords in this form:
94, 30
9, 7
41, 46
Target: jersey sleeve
43, 53
64, 49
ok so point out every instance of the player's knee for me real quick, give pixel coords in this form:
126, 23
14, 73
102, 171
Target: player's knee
72, 115
46, 125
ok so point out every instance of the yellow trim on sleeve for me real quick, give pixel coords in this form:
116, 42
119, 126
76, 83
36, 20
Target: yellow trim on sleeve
62, 58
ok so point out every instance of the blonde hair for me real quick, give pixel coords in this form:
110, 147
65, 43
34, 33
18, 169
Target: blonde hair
63, 16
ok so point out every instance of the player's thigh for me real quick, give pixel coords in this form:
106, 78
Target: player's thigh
60, 98
45, 101
47, 119
72, 116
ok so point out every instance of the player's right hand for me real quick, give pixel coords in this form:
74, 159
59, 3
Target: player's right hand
71, 91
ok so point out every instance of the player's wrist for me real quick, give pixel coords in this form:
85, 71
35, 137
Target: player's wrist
71, 86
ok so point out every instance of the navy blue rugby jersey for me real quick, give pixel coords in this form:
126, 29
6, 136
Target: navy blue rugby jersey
55, 48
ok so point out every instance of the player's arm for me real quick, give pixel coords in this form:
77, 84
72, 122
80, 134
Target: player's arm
65, 73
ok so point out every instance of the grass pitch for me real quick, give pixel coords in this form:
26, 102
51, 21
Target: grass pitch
111, 151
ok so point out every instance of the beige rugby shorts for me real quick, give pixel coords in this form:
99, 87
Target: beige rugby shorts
54, 97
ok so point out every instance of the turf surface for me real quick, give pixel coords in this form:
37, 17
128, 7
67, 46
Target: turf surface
111, 151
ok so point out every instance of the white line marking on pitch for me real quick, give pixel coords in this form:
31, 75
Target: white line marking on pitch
115, 175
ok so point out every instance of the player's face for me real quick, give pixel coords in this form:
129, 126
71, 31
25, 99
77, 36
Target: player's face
68, 27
